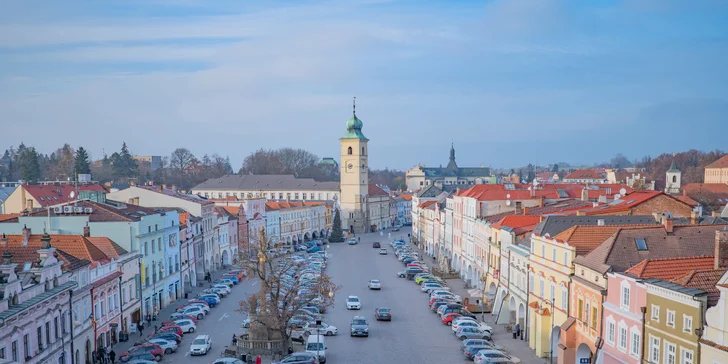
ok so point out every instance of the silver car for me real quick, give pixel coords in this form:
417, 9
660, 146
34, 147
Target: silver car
169, 347
472, 333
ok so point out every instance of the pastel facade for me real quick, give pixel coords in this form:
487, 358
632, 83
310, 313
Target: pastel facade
717, 172
714, 343
420, 177
270, 187
623, 319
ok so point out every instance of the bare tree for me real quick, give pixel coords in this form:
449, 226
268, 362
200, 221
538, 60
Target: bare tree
179, 164
278, 301
262, 161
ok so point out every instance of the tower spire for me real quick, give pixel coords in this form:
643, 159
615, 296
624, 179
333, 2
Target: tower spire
354, 105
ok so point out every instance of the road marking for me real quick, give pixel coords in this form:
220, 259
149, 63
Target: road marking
223, 316
187, 353
254, 283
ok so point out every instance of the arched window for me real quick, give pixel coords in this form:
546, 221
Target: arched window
674, 179
362, 150
350, 151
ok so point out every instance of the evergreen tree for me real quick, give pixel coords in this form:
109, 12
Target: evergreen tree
29, 166
124, 164
337, 236
555, 168
82, 165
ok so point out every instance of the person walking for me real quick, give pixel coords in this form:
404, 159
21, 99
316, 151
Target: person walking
112, 356
518, 331
140, 326
108, 357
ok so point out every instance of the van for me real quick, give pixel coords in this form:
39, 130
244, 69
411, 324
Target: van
316, 344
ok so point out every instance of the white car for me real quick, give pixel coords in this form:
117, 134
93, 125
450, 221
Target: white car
429, 287
489, 356
202, 306
375, 284
383, 251
186, 325
353, 303
324, 328
193, 311
169, 347
223, 287
201, 345
468, 323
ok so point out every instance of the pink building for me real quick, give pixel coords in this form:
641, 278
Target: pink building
626, 298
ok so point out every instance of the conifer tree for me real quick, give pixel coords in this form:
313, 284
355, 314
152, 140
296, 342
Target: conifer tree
337, 236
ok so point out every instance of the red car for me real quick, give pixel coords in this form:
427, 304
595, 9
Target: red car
153, 349
198, 301
447, 319
238, 275
173, 329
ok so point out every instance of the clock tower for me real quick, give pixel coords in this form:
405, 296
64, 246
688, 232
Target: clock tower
354, 176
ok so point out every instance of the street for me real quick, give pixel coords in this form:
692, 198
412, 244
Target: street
415, 335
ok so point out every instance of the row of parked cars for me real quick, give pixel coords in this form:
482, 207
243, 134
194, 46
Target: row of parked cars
475, 336
167, 338
302, 271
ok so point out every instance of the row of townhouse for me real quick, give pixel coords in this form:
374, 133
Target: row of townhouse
63, 296
552, 273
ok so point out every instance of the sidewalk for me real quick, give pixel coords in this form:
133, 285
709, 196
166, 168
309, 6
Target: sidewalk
164, 314
501, 337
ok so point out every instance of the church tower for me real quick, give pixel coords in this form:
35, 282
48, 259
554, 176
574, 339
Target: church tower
672, 179
354, 176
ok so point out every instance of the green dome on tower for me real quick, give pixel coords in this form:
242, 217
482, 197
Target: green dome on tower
353, 127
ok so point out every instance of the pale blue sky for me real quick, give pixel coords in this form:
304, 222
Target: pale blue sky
509, 81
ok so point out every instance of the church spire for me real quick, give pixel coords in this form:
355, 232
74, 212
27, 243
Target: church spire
452, 152
354, 105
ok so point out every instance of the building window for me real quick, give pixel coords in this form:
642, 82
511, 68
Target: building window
541, 289
564, 298
670, 318
40, 337
622, 344
532, 283
349, 151
26, 345
14, 350
566, 257
580, 308
610, 331
635, 345
656, 313
56, 328
688, 324
670, 353
553, 254
2, 353
594, 317
625, 296
686, 355
543, 250
48, 332
553, 293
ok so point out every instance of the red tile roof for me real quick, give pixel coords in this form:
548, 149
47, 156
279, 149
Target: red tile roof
427, 203
688, 200
585, 238
703, 280
174, 193
717, 188
550, 209
280, 205
375, 190
405, 196
49, 195
517, 221
4, 217
498, 192
75, 244
584, 174
102, 212
670, 268
107, 246
626, 203
720, 163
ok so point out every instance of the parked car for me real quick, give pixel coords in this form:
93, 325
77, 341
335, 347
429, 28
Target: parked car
383, 314
143, 358
298, 358
210, 299
175, 329
494, 357
447, 319
472, 333
193, 310
186, 325
313, 249
469, 323
470, 342
169, 336
228, 361
153, 349
168, 346
231, 277
324, 328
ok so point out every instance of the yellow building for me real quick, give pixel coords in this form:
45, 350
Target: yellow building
551, 267
717, 172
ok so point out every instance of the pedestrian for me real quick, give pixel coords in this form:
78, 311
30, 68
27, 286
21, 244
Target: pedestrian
94, 356
140, 325
149, 319
108, 357
155, 328
102, 355
112, 356
518, 331
258, 360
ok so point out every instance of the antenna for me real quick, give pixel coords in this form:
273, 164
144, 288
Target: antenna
354, 105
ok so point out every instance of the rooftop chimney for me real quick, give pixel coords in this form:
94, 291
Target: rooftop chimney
541, 201
86, 231
694, 219
525, 210
721, 250
519, 209
174, 188
26, 235
160, 188
580, 213
715, 214
45, 241
667, 221
585, 195
658, 217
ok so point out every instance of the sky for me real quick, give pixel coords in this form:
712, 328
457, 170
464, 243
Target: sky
507, 81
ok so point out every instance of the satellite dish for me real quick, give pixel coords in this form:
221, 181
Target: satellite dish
72, 194
508, 196
622, 191
508, 202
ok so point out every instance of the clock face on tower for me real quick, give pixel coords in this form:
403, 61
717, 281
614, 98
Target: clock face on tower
350, 166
